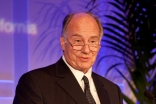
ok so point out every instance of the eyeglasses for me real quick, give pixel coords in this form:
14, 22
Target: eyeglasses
78, 45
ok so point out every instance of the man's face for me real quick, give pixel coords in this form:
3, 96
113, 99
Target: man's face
82, 27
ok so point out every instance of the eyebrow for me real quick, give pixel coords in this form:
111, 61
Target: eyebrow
77, 35
94, 37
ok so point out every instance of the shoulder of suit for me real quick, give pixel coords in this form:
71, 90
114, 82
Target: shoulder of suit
39, 72
104, 80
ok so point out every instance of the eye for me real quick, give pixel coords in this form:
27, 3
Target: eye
92, 41
77, 41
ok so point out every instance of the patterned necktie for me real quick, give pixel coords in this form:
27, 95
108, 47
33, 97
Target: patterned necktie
87, 91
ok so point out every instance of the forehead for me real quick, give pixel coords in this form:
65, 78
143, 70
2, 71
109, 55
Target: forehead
83, 25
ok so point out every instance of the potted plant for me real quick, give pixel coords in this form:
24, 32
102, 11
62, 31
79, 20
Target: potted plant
137, 45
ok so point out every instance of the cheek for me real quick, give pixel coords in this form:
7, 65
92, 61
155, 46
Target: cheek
94, 55
72, 54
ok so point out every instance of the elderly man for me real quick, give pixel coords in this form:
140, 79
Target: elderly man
71, 80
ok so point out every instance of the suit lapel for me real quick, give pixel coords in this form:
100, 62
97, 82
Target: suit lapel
102, 93
69, 83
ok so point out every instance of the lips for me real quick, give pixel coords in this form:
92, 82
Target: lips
84, 59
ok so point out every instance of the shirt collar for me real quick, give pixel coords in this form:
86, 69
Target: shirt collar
78, 74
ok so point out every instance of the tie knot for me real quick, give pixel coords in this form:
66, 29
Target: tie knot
85, 79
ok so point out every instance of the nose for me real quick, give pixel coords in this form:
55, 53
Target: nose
85, 49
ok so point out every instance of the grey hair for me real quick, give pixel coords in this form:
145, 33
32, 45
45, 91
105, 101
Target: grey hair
70, 16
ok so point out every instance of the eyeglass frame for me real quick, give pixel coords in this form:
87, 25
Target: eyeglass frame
97, 46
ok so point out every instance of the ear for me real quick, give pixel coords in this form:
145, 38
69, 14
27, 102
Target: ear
62, 41
99, 48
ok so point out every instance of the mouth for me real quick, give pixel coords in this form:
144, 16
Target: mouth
84, 59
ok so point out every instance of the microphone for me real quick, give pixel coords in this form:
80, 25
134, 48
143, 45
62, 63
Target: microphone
149, 95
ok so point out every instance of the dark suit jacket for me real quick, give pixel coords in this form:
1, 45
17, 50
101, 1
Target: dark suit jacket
55, 84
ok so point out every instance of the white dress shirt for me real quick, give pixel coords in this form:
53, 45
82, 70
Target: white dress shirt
79, 75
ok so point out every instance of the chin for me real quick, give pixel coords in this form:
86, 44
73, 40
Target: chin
85, 67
